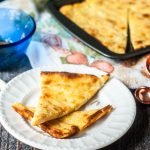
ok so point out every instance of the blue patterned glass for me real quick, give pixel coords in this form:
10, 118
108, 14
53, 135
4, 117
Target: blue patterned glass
16, 30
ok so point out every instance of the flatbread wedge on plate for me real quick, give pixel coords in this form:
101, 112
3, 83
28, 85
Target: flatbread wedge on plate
63, 93
68, 125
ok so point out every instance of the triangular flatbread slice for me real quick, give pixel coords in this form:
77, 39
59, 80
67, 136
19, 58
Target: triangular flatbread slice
139, 19
102, 21
63, 93
68, 125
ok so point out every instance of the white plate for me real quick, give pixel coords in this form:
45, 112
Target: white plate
25, 88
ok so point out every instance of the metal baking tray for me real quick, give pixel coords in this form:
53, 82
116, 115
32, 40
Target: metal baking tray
87, 39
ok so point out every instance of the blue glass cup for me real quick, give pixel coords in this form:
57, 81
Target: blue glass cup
16, 30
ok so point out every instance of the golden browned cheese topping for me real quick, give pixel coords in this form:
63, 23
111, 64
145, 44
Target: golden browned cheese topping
63, 92
107, 20
68, 125
139, 20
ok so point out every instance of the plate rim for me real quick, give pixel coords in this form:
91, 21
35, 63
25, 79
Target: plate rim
37, 145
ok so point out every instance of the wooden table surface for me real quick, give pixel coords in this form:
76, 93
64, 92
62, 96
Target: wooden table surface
137, 138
